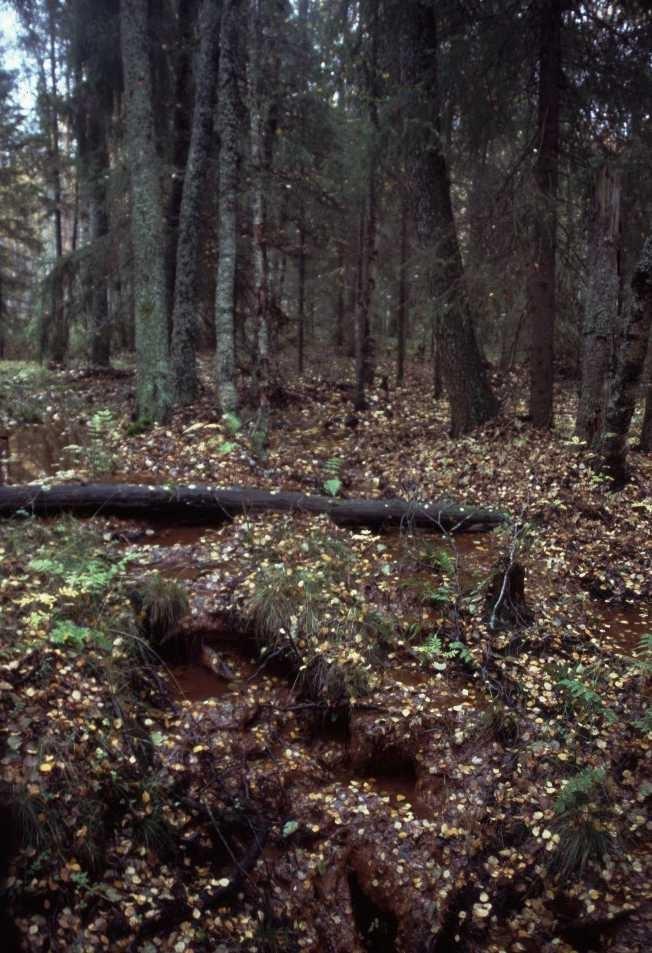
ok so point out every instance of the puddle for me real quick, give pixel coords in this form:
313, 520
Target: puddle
30, 453
225, 666
619, 628
196, 683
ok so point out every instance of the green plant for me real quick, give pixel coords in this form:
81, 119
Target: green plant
643, 661
98, 456
64, 632
438, 558
333, 484
580, 696
644, 723
581, 812
232, 422
427, 592
138, 427
435, 651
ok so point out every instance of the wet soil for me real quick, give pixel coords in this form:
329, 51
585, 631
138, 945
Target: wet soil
386, 809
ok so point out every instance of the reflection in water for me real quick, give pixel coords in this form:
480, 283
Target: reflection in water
37, 451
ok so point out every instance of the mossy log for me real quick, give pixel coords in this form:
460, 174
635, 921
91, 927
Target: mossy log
207, 504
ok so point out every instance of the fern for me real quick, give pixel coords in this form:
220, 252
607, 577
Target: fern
582, 697
579, 790
333, 484
644, 663
434, 648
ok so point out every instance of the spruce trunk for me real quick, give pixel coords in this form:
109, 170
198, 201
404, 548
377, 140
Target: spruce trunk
623, 392
472, 401
541, 279
184, 313
601, 302
153, 379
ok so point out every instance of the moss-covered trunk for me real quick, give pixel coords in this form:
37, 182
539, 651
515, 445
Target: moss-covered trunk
153, 380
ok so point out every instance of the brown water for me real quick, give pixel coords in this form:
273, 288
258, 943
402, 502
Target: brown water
39, 450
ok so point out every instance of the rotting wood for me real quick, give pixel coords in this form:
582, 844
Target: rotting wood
209, 504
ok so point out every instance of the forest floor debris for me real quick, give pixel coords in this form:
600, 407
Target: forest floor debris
338, 737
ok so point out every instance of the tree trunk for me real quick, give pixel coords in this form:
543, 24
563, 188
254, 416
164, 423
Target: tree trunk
341, 296
227, 209
153, 384
472, 401
93, 172
601, 308
184, 313
541, 279
630, 359
365, 355
402, 309
57, 332
207, 504
2, 317
301, 304
646, 429
100, 349
178, 71
258, 106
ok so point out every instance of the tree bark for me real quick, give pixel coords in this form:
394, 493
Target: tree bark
178, 72
301, 303
630, 359
227, 208
365, 356
601, 309
57, 332
261, 160
541, 279
184, 312
402, 308
207, 504
153, 383
341, 295
472, 401
646, 429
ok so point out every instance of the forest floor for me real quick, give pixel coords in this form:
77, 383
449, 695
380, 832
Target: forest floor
340, 743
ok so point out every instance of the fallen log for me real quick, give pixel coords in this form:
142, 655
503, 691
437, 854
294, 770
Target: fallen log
207, 504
